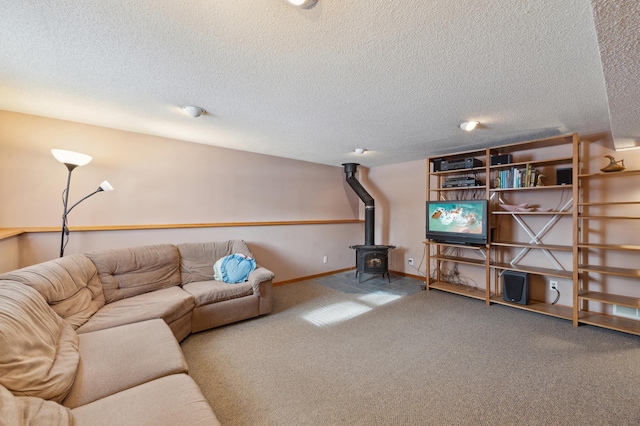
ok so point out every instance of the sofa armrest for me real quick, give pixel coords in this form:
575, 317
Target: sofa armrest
258, 276
30, 410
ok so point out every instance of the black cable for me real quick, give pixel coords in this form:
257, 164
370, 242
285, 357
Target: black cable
557, 297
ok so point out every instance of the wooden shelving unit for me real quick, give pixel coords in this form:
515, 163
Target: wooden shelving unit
440, 254
606, 285
494, 257
583, 254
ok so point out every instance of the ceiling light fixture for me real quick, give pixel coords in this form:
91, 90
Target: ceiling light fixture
469, 125
360, 151
194, 111
303, 4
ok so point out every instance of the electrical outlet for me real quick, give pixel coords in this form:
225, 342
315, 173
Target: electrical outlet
411, 261
325, 259
553, 285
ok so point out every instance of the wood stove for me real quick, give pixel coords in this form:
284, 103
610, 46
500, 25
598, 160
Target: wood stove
370, 258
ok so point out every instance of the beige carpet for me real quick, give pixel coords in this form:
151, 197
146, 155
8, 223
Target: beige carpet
425, 358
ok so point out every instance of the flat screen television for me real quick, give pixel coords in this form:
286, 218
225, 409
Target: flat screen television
458, 221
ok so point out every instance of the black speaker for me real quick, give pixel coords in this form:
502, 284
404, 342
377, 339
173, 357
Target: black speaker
515, 287
564, 176
437, 164
501, 159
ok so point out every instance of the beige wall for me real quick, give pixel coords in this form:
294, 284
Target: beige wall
399, 192
157, 180
164, 181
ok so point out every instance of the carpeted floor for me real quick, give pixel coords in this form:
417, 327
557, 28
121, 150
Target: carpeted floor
338, 352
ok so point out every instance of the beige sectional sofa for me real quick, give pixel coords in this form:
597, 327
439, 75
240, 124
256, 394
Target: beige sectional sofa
94, 338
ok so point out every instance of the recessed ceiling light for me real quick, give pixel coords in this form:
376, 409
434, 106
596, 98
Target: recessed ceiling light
469, 125
360, 151
194, 111
303, 4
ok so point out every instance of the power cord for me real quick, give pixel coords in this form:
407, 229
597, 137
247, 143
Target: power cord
557, 297
424, 255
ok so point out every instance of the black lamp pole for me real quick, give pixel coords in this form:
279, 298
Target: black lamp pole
65, 229
65, 202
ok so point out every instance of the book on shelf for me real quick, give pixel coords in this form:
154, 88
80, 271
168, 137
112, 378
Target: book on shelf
517, 177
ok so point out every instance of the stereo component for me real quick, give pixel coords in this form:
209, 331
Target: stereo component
496, 160
460, 181
464, 163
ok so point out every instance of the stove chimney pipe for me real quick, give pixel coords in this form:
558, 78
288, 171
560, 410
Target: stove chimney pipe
369, 203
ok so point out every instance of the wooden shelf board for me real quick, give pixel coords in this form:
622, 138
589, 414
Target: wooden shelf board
608, 321
531, 188
462, 246
534, 163
592, 217
500, 212
460, 289
610, 270
610, 174
629, 247
615, 299
558, 311
610, 203
534, 270
515, 244
458, 259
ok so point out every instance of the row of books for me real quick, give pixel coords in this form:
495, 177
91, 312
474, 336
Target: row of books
517, 177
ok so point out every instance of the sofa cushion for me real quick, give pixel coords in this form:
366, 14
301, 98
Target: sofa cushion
39, 350
205, 292
128, 272
119, 358
197, 259
168, 304
70, 285
27, 410
171, 400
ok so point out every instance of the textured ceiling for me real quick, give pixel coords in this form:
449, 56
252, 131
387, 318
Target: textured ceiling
391, 76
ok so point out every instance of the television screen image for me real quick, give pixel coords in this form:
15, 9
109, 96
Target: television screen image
463, 221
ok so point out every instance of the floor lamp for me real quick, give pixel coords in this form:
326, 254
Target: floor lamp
72, 160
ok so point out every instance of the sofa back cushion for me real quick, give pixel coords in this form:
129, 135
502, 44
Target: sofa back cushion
127, 272
38, 349
70, 285
197, 259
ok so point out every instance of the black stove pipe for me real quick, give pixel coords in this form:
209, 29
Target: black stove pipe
369, 204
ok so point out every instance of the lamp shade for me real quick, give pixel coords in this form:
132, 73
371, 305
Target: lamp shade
71, 157
105, 186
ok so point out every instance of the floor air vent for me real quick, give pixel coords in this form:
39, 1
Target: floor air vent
623, 311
